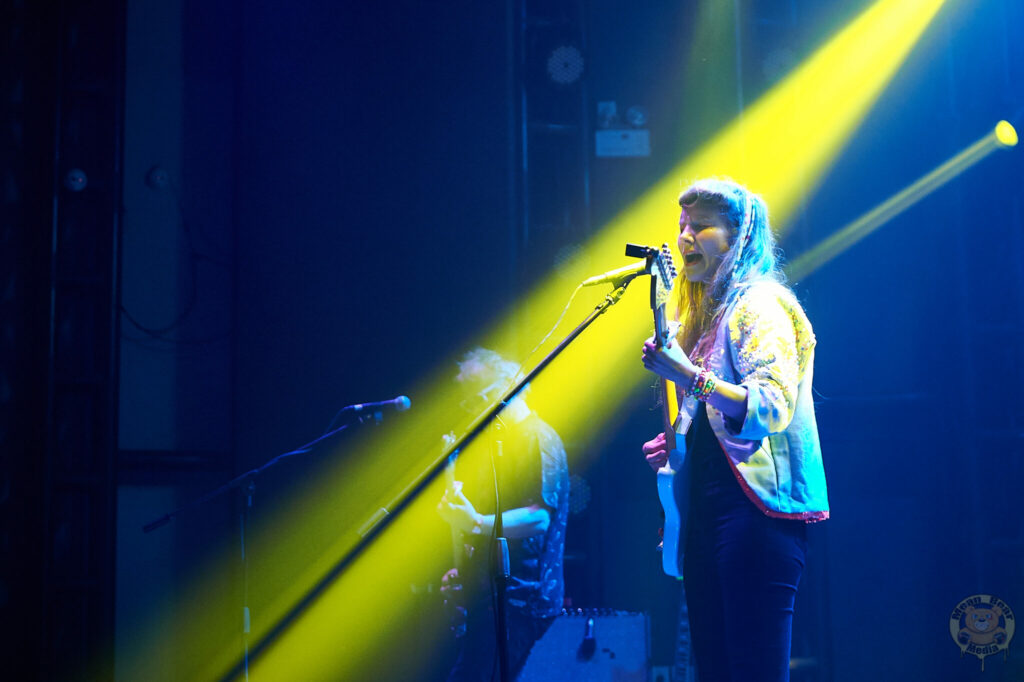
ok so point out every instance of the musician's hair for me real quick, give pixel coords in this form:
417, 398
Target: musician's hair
752, 257
488, 368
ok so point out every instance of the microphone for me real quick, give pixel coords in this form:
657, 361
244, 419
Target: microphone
399, 404
619, 276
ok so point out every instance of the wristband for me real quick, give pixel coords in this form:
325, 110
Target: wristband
703, 385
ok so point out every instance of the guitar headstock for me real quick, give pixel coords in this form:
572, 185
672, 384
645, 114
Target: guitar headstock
665, 267
663, 275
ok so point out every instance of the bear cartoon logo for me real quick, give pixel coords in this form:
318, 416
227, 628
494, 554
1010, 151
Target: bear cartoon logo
982, 625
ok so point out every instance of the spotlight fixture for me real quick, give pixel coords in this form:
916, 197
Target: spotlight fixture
565, 64
1005, 134
158, 178
76, 180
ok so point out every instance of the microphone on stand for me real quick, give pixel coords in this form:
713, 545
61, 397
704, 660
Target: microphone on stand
619, 276
399, 404
361, 410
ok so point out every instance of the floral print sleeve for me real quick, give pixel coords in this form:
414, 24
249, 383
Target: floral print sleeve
770, 341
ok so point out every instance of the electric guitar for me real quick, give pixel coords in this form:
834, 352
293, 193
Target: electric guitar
672, 478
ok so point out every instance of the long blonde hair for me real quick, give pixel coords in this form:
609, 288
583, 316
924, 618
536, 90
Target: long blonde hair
752, 257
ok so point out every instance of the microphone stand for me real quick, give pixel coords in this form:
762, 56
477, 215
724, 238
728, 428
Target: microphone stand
247, 484
501, 572
380, 519
500, 556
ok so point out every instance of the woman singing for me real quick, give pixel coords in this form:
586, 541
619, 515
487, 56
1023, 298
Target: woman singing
742, 362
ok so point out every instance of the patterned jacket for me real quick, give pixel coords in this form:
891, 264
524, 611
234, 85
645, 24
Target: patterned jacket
765, 343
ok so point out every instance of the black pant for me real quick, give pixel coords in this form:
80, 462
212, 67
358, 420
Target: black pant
741, 571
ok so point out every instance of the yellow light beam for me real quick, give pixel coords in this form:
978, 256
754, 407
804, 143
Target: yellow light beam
778, 147
1001, 137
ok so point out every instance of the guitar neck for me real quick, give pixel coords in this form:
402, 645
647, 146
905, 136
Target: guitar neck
669, 409
663, 272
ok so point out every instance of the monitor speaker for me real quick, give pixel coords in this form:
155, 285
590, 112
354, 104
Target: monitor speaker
596, 645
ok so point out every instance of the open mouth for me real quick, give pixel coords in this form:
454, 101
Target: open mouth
692, 258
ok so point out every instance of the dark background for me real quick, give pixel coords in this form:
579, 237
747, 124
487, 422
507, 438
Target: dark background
294, 208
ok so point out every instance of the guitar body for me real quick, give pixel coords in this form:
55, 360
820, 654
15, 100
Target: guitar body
673, 487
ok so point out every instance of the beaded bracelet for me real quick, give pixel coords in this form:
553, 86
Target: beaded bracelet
703, 385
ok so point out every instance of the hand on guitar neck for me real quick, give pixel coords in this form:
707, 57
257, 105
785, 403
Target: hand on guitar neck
670, 363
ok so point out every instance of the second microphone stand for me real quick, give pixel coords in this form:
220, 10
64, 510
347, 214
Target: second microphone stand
382, 517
